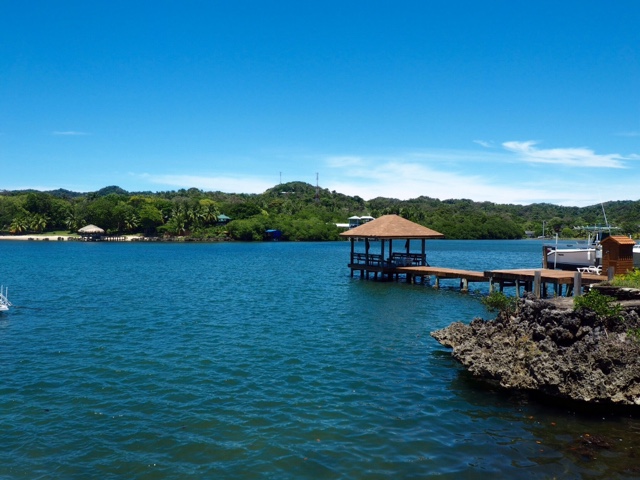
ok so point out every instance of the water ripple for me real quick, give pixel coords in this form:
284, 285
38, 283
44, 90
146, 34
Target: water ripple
255, 361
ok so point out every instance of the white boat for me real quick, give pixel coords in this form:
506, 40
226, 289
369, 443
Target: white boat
572, 257
569, 257
4, 301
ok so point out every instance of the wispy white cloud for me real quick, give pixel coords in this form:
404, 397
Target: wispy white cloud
484, 143
69, 133
405, 180
502, 175
628, 134
230, 184
467, 174
344, 161
572, 157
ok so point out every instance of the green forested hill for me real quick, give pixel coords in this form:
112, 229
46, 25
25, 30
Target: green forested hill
298, 209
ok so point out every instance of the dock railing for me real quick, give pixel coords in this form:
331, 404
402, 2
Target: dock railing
396, 260
371, 259
407, 260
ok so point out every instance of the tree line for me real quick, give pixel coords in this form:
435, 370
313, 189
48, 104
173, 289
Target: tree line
299, 210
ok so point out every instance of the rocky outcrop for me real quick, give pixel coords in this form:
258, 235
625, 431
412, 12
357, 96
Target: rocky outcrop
549, 348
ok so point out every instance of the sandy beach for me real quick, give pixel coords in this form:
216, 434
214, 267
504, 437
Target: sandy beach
64, 238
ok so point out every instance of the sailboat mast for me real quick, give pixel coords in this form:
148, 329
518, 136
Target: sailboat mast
605, 218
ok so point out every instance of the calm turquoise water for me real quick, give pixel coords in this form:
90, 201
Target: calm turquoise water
262, 361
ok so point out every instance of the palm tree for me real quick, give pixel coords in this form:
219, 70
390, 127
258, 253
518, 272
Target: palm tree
177, 224
74, 220
209, 213
131, 222
192, 215
39, 222
18, 225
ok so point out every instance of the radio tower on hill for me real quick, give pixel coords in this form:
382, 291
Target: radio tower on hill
317, 189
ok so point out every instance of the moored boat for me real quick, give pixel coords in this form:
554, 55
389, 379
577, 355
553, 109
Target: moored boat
571, 257
4, 301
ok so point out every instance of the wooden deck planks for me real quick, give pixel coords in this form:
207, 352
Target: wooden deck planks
503, 278
523, 275
443, 272
514, 277
546, 275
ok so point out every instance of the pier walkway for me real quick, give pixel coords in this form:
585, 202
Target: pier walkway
465, 276
531, 280
536, 280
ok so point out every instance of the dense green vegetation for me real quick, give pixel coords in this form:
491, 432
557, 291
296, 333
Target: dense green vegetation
628, 280
295, 208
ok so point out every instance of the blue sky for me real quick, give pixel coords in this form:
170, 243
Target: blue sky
506, 101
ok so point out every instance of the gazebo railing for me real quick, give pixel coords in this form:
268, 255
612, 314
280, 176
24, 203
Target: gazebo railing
408, 259
396, 260
370, 259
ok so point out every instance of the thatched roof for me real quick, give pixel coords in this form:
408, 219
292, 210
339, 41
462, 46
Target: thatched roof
392, 226
91, 230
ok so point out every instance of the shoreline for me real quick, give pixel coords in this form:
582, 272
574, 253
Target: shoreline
110, 239
549, 348
64, 238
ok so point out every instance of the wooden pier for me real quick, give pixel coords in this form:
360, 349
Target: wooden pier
537, 280
390, 263
465, 276
531, 280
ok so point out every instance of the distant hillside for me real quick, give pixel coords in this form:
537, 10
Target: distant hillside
300, 210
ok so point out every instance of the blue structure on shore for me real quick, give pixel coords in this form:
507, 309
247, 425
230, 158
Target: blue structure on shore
274, 235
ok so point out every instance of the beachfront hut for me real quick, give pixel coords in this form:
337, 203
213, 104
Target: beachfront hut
386, 229
617, 252
223, 219
91, 233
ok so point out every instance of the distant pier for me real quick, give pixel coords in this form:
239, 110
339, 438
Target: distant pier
382, 261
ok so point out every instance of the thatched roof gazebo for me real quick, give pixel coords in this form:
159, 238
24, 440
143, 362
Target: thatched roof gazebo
386, 229
91, 232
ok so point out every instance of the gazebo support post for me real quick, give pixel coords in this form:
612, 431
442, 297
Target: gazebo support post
366, 256
352, 254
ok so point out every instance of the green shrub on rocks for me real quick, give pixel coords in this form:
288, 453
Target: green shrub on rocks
628, 280
602, 305
499, 302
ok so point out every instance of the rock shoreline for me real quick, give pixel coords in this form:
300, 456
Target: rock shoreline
549, 348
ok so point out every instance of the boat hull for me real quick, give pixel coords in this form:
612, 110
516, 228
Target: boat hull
571, 258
